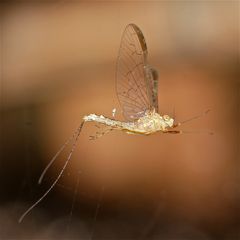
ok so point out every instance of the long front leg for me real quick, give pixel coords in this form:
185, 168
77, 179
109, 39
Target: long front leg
192, 118
176, 125
174, 131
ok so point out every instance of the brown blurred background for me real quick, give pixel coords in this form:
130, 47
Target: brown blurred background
58, 64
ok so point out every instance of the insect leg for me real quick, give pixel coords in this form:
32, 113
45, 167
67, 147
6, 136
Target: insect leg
100, 134
180, 131
58, 177
174, 131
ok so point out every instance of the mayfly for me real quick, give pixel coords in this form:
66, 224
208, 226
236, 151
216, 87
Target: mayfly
137, 91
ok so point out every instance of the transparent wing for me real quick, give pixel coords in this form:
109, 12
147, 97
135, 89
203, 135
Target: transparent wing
152, 80
136, 82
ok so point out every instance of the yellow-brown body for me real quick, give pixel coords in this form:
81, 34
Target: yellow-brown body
150, 123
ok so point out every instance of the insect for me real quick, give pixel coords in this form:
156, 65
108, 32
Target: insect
137, 91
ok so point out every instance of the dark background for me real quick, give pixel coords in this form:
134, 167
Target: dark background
58, 64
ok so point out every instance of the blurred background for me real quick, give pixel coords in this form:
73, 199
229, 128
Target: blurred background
58, 64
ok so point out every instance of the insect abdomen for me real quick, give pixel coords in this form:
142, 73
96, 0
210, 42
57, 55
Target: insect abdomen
103, 120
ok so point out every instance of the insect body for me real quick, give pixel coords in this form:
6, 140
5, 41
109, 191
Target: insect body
137, 91
150, 122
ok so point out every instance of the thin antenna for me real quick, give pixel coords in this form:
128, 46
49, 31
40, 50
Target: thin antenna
58, 177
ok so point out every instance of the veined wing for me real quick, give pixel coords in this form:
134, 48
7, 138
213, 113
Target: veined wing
152, 81
136, 81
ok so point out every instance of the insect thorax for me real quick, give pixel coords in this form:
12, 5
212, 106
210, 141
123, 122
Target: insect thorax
153, 122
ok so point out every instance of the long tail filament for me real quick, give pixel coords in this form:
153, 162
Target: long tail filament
78, 131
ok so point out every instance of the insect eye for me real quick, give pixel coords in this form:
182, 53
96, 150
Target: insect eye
166, 117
